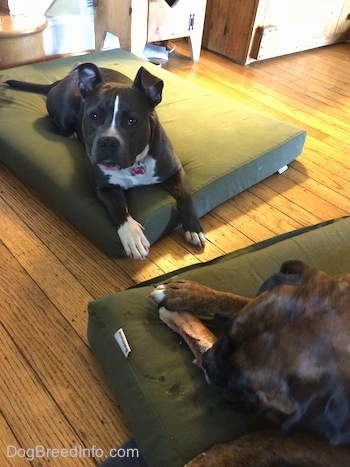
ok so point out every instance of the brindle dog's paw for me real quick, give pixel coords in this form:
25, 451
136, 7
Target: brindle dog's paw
158, 294
179, 295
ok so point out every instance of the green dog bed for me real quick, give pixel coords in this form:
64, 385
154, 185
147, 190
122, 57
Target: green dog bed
172, 412
224, 148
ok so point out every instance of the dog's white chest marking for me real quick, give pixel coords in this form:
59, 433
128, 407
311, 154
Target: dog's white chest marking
141, 173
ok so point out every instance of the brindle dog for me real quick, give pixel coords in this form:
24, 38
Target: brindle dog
287, 349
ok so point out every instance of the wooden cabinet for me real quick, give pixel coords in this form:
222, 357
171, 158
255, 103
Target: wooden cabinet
228, 27
179, 18
137, 22
248, 30
4, 7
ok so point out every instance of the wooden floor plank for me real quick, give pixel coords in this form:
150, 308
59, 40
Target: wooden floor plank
9, 445
45, 269
35, 419
53, 357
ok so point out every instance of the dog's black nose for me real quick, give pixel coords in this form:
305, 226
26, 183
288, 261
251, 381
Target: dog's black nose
108, 144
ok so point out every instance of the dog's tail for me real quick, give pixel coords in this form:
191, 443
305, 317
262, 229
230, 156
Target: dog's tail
270, 448
31, 87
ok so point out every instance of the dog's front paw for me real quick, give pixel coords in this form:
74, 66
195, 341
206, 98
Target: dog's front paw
158, 294
133, 239
195, 238
178, 295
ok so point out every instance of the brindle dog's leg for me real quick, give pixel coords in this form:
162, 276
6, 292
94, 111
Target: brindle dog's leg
272, 448
180, 295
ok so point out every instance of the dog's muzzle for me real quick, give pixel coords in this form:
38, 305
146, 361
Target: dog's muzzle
108, 153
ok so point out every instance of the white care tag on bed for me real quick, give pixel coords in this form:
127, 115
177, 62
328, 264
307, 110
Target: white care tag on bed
282, 169
123, 343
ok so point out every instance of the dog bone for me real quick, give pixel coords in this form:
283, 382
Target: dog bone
198, 337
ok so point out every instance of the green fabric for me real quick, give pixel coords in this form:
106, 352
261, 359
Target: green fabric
172, 412
224, 147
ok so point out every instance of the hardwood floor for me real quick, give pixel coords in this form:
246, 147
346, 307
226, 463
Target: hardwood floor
52, 392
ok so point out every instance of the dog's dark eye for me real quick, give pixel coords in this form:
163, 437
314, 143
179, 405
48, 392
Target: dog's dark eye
132, 121
94, 115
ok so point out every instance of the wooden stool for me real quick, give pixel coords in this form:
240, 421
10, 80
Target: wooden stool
137, 22
21, 40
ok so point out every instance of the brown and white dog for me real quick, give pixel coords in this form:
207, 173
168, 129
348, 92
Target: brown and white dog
288, 349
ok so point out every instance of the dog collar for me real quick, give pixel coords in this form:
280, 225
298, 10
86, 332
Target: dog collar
138, 169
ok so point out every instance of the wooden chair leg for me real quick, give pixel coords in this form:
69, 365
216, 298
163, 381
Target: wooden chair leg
126, 20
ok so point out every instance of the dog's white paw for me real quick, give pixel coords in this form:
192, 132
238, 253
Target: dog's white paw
133, 239
158, 293
195, 238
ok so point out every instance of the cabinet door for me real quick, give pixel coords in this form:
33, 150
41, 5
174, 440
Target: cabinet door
295, 25
170, 22
228, 27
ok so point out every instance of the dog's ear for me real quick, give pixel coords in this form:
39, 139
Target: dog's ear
293, 266
290, 273
89, 77
150, 85
325, 413
279, 279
